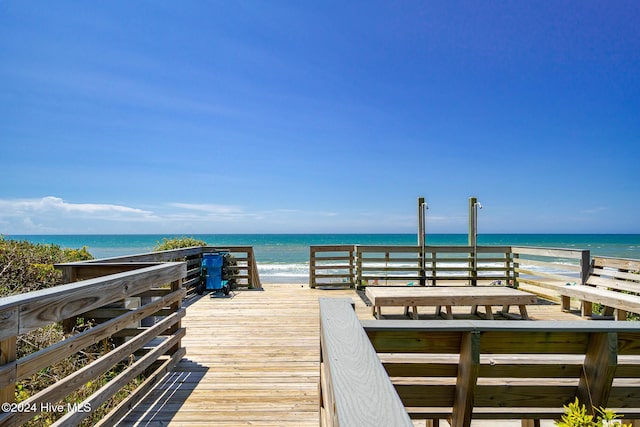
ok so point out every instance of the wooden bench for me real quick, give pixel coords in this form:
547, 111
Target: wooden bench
449, 296
463, 370
612, 282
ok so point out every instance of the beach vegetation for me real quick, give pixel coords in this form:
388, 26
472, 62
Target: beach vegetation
177, 243
26, 267
577, 415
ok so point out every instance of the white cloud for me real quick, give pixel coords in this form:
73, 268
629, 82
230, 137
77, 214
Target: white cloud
209, 208
594, 210
56, 204
54, 215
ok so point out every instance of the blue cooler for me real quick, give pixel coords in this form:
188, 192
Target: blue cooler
211, 272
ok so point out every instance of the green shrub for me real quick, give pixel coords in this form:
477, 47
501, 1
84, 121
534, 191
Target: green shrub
26, 267
178, 243
576, 415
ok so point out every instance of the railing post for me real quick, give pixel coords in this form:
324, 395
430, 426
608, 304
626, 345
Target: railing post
250, 272
585, 266
351, 266
516, 265
509, 267
312, 267
434, 267
358, 267
69, 275
8, 353
175, 307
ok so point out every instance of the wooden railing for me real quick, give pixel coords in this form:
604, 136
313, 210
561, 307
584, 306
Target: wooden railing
387, 264
74, 271
248, 269
356, 265
354, 387
330, 264
134, 302
247, 276
382, 372
543, 270
466, 263
539, 270
147, 336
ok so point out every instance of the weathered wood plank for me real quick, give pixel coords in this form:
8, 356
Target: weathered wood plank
52, 354
620, 285
519, 262
127, 404
618, 263
468, 368
608, 298
600, 365
117, 383
547, 252
355, 371
72, 382
55, 304
8, 353
91, 270
257, 352
8, 322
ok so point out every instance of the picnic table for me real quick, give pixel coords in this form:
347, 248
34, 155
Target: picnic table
449, 296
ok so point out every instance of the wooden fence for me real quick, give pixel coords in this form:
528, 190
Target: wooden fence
248, 268
330, 264
534, 267
543, 270
246, 263
113, 304
358, 265
468, 263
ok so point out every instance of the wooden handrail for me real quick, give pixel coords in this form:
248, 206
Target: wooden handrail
366, 265
529, 261
246, 263
354, 388
20, 314
331, 264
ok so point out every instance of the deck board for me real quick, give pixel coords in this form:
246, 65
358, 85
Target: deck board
254, 360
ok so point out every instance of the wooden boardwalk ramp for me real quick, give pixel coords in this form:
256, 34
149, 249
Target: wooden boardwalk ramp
253, 359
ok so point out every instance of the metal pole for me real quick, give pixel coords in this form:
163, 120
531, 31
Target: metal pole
473, 237
421, 238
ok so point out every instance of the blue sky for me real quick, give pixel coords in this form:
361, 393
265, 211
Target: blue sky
332, 116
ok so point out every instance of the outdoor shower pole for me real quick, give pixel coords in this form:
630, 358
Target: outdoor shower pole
473, 239
421, 238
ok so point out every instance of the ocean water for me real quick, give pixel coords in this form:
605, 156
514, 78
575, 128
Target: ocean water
284, 258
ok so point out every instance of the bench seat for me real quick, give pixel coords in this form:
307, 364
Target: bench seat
620, 302
612, 282
449, 296
461, 370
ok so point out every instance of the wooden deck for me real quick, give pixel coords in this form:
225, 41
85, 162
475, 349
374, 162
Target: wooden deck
253, 359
